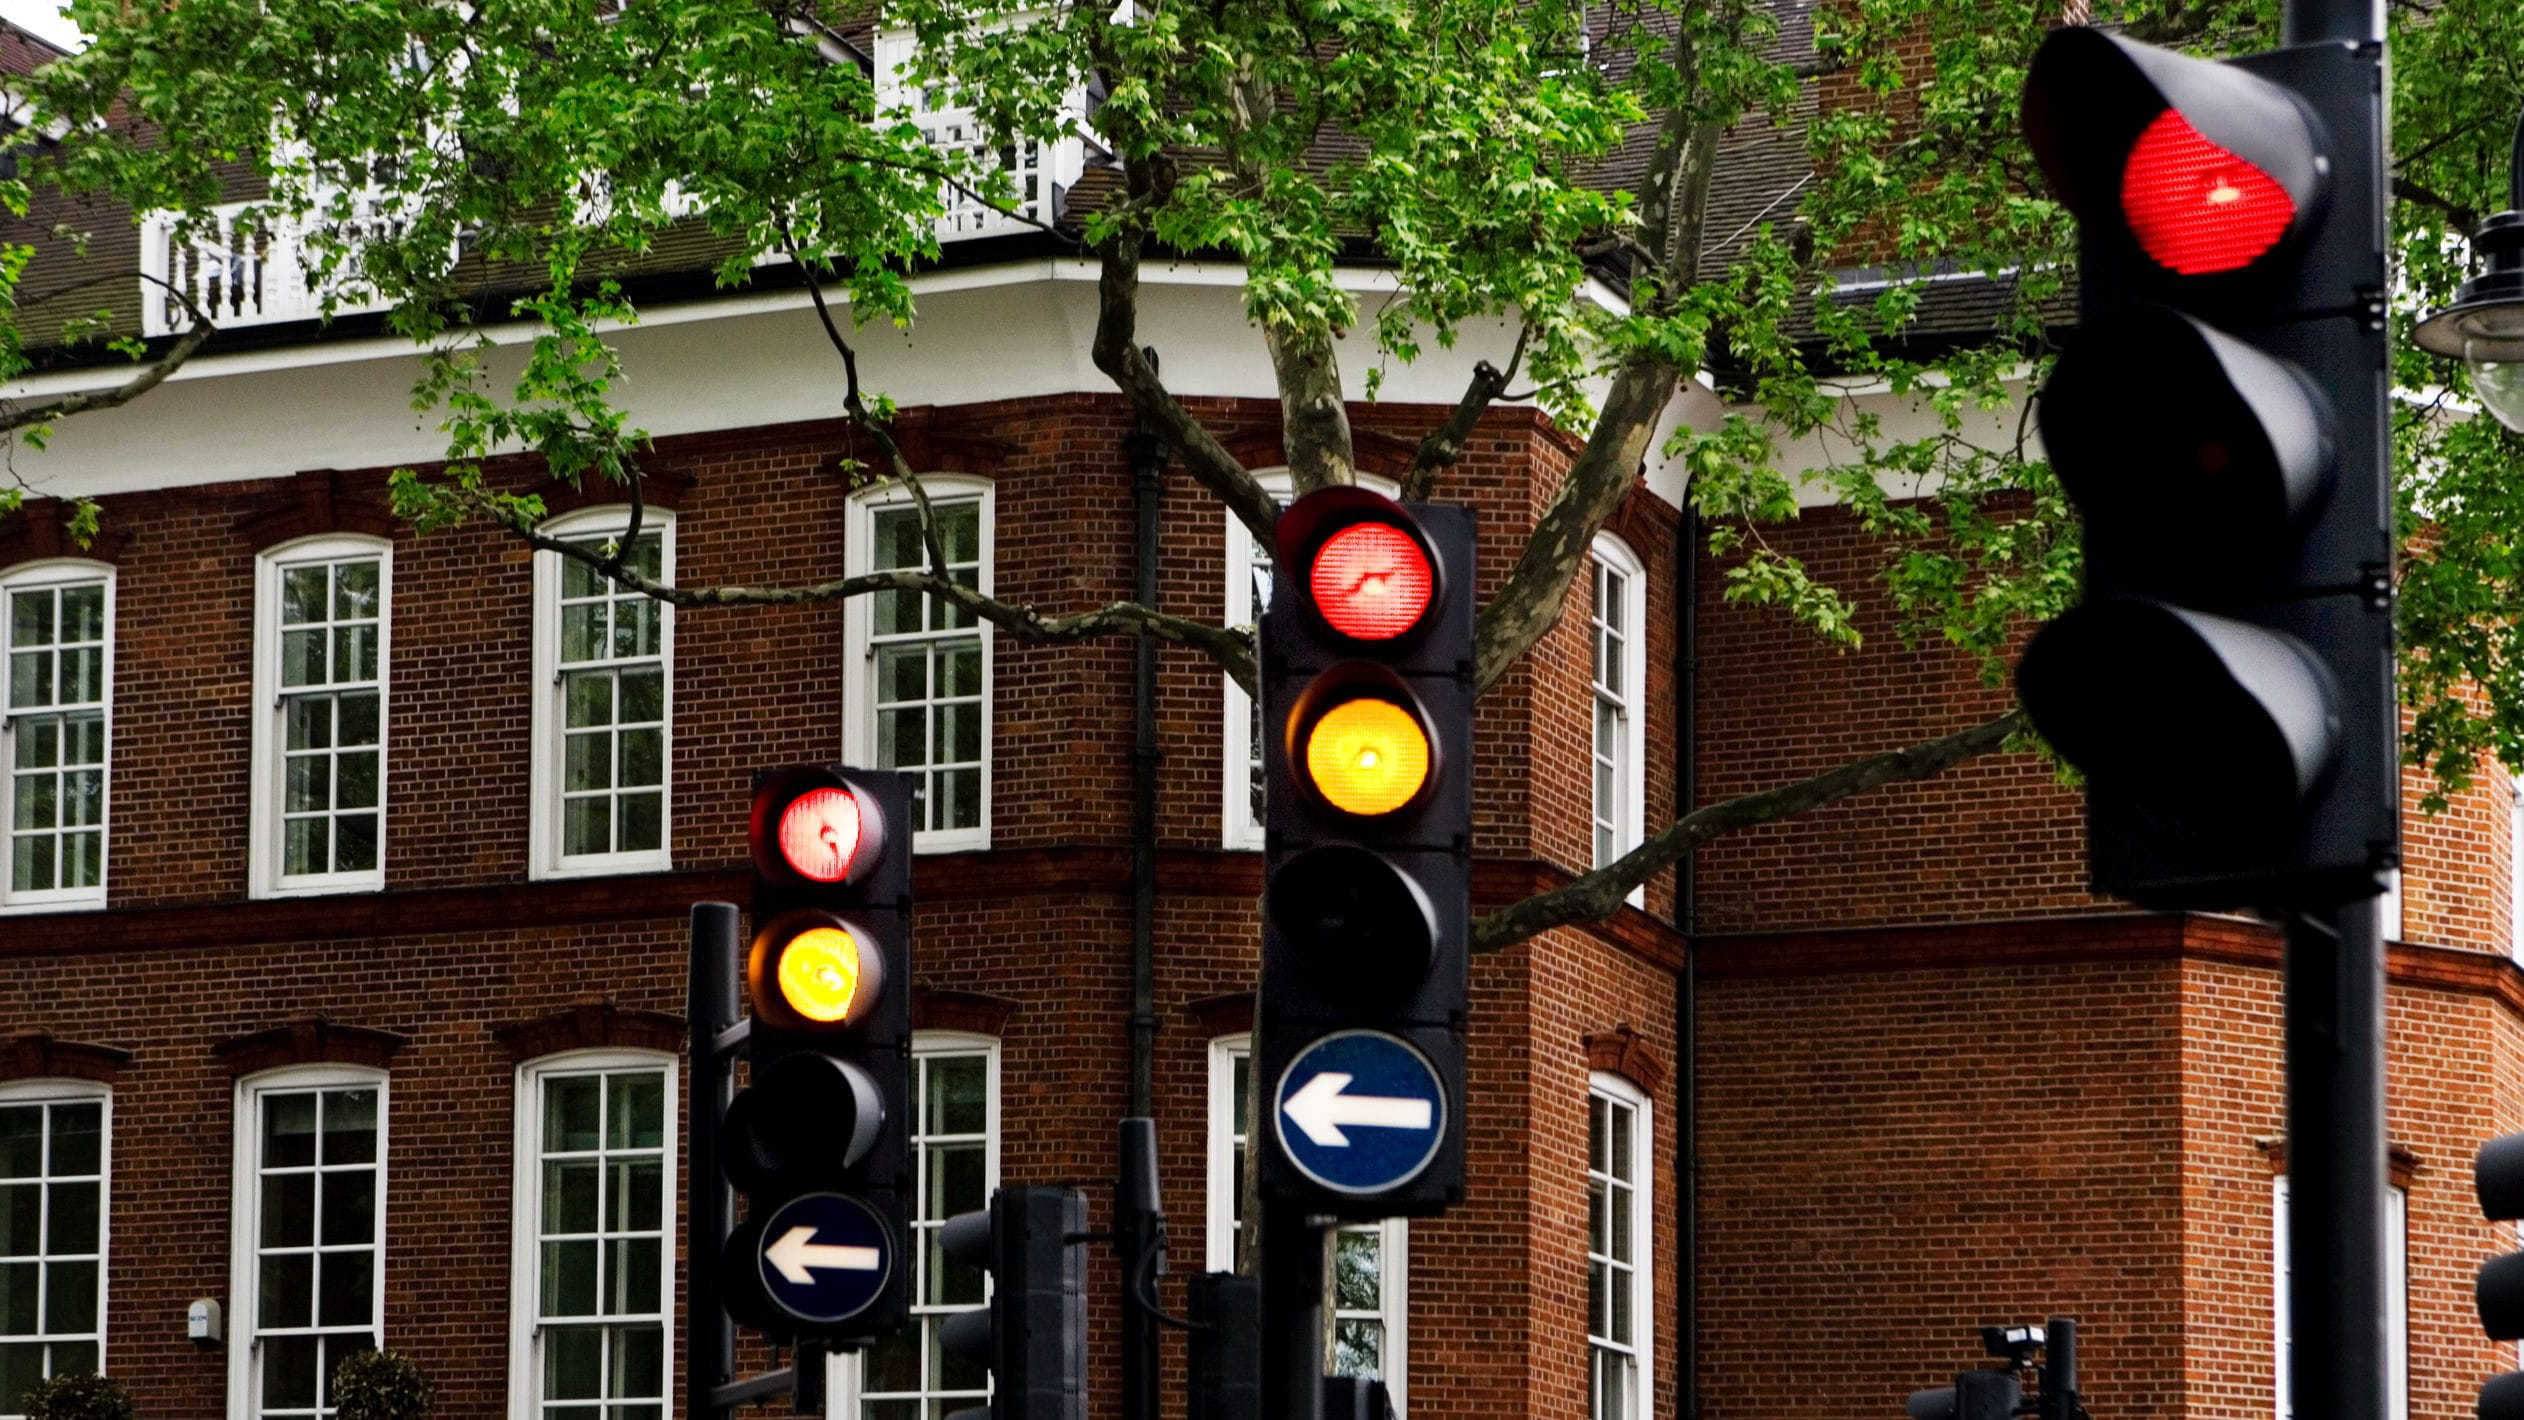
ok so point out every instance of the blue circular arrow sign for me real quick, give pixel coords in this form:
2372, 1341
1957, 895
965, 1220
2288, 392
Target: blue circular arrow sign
1360, 1112
825, 1257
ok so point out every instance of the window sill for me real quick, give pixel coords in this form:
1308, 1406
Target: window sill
330, 887
34, 907
613, 865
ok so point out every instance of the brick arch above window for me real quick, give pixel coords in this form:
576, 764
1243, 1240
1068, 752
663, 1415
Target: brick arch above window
308, 1039
317, 502
933, 442
1624, 1052
590, 1023
33, 1053
2401, 1164
39, 531
970, 1012
660, 487
1375, 452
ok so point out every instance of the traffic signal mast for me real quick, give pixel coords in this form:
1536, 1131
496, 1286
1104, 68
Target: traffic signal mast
817, 1142
1367, 736
2226, 686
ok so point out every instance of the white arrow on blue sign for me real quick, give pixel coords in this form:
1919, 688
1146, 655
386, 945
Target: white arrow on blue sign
825, 1257
1360, 1111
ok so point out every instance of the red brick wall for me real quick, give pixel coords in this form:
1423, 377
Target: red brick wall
462, 943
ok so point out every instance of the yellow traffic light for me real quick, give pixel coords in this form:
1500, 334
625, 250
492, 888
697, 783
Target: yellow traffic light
1367, 756
810, 968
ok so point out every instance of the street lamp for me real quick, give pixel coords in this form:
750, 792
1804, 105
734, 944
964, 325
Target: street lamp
2485, 325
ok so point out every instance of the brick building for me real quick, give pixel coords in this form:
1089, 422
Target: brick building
349, 869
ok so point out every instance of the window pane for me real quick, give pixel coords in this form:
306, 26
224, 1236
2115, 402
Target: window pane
586, 826
290, 1364
302, 595
632, 1268
21, 1368
350, 1206
22, 1219
569, 1196
590, 699
573, 1108
639, 1113
580, 628
288, 1289
22, 1141
643, 696
355, 653
636, 1195
348, 1296
288, 1130
350, 1127
302, 658
569, 1278
640, 1361
288, 1209
642, 823
70, 1297
587, 762
358, 718
355, 846
355, 592
1358, 1349
355, 783
958, 1094
1357, 1269
956, 1180
78, 1130
72, 1224
573, 1363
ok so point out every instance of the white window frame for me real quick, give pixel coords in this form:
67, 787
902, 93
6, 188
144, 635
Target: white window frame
51, 1090
54, 572
858, 731
1620, 1090
1613, 556
2396, 1302
544, 826
1219, 1232
1239, 827
245, 1228
844, 1373
265, 874
525, 1290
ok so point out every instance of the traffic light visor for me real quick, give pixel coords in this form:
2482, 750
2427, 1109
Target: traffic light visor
1355, 923
2211, 488
810, 968
2204, 167
2215, 722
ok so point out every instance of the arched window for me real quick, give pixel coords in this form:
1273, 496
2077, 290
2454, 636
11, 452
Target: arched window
917, 672
592, 1293
321, 624
1615, 620
56, 721
604, 703
307, 1281
1620, 1280
54, 1163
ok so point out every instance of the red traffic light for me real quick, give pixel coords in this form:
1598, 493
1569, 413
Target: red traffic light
1364, 563
810, 825
2197, 208
2205, 167
1372, 581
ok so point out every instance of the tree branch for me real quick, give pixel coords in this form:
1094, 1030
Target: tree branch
1231, 650
1444, 447
1600, 893
13, 418
1118, 355
2455, 213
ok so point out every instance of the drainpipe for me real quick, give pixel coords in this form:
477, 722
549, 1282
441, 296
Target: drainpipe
1687, 985
1148, 455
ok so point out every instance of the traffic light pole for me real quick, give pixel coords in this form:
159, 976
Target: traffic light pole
709, 1336
2335, 1162
1292, 1313
2316, 21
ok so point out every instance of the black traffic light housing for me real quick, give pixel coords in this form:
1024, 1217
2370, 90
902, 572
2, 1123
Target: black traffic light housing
1366, 913
2497, 1176
828, 1104
2219, 419
1032, 1333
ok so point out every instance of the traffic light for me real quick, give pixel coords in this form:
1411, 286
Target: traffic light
2219, 420
1367, 738
2497, 1177
1032, 1334
816, 1142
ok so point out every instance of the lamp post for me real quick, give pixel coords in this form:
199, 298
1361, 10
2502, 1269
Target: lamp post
2485, 325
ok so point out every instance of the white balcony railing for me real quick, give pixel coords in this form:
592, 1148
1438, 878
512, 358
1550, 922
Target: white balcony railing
243, 273
247, 272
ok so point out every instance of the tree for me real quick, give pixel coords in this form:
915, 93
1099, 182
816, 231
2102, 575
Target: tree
549, 144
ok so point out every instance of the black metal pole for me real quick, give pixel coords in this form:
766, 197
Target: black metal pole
2319, 21
710, 1007
1139, 1237
2335, 1163
1148, 455
1292, 1313
2059, 1369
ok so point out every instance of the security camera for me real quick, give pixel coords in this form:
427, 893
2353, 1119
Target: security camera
2015, 1344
